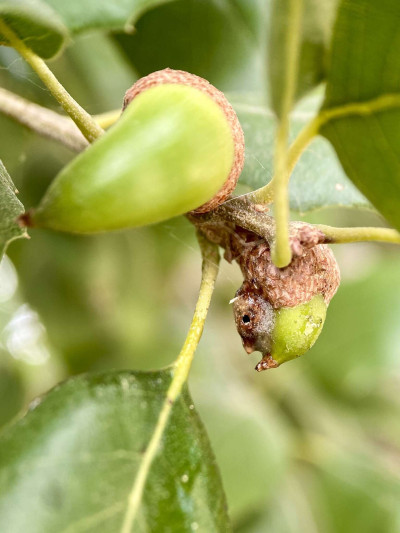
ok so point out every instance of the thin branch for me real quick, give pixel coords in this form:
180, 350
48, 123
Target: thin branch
43, 121
345, 235
221, 226
90, 129
181, 371
107, 119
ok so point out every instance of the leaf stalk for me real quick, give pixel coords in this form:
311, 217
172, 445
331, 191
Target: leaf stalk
181, 370
359, 234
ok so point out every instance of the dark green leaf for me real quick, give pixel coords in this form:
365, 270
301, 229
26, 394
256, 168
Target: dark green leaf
365, 64
314, 29
36, 23
82, 15
44, 25
318, 180
69, 464
222, 41
10, 208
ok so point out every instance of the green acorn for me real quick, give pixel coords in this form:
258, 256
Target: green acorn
281, 312
177, 147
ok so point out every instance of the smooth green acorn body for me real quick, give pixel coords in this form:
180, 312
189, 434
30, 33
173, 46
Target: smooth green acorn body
170, 152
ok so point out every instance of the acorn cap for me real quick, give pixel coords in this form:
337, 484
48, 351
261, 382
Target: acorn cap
314, 272
170, 76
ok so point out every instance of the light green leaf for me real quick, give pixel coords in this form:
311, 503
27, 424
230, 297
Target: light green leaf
313, 27
318, 180
46, 25
10, 208
69, 464
365, 65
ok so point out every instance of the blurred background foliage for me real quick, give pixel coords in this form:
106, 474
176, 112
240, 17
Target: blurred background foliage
312, 446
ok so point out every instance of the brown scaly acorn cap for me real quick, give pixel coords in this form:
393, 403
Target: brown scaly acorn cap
181, 77
314, 272
313, 269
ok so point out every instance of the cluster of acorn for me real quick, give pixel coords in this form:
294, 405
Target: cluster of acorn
179, 148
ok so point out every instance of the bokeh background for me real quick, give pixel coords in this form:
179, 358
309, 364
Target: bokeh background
313, 446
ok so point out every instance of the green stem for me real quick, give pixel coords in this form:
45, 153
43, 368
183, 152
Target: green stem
345, 235
90, 129
181, 371
107, 119
265, 195
281, 252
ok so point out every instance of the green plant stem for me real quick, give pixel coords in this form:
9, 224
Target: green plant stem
281, 252
345, 235
90, 129
181, 370
265, 195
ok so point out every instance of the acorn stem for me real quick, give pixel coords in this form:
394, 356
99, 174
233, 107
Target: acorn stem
90, 129
180, 374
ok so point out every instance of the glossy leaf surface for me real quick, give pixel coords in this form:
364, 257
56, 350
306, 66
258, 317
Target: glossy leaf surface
72, 460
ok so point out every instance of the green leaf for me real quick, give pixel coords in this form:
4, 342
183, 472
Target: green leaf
45, 25
314, 28
83, 15
36, 23
10, 208
69, 464
365, 65
318, 180
220, 40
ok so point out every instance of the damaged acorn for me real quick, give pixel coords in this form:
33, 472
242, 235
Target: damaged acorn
278, 312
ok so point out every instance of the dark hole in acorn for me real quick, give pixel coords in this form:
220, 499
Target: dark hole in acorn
246, 319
